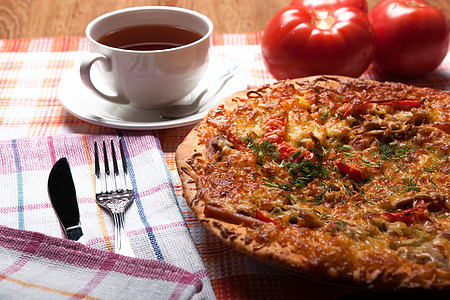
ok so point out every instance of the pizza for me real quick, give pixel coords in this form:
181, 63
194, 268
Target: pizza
340, 179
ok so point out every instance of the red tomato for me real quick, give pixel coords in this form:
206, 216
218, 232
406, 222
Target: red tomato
331, 4
412, 38
353, 170
299, 42
409, 216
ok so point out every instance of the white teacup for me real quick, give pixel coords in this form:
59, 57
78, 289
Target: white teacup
146, 78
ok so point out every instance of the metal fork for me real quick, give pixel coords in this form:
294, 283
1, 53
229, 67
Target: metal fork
114, 192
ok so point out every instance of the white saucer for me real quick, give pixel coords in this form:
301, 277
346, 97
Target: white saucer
78, 100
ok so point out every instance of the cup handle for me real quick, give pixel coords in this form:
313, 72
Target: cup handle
85, 73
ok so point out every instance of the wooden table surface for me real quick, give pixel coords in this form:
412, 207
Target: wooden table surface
53, 18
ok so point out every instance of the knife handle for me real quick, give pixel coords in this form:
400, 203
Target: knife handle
74, 233
122, 243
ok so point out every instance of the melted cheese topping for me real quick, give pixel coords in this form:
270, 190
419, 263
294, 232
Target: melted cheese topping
368, 171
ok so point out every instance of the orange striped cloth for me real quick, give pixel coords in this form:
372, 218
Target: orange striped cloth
30, 71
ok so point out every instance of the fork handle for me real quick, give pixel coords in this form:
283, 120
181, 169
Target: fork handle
122, 243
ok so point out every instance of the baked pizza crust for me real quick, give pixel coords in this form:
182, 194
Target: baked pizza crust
385, 273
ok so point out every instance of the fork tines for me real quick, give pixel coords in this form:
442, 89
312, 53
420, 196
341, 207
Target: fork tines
106, 181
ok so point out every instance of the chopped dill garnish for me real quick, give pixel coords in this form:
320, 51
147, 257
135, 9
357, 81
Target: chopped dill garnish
325, 115
301, 172
348, 190
293, 198
319, 198
393, 151
323, 215
263, 149
339, 226
431, 181
410, 184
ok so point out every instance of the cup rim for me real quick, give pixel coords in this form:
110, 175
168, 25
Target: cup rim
156, 7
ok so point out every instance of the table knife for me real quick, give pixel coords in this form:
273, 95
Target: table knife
63, 197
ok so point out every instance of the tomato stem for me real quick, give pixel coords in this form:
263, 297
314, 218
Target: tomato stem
414, 4
322, 19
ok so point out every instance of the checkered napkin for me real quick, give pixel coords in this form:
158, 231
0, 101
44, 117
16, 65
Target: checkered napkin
37, 263
42, 267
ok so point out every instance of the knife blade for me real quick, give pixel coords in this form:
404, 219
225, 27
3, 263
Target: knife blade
63, 197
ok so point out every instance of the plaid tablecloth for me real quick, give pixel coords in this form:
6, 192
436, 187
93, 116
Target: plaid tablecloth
30, 71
